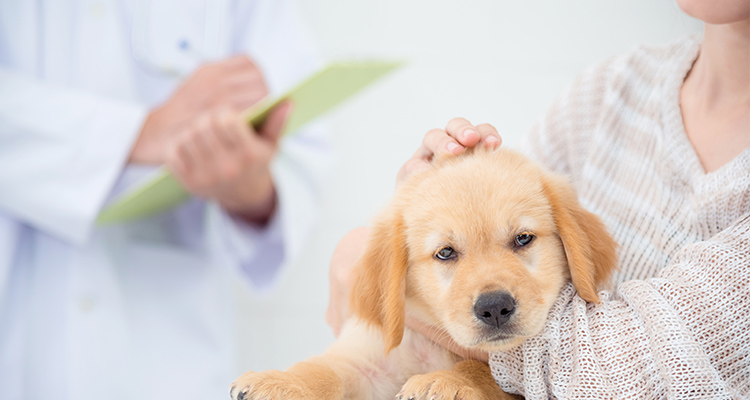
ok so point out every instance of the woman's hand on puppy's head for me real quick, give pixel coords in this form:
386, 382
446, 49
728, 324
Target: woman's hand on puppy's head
457, 136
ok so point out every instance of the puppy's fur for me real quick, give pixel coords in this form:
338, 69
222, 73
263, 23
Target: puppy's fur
480, 246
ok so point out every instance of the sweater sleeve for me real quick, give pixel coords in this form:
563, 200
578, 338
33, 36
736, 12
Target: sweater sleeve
683, 334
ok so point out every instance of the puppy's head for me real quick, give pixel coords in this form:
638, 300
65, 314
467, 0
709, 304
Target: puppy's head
480, 245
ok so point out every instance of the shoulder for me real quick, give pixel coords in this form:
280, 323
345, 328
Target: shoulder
641, 70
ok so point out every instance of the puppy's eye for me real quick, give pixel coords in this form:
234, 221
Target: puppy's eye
523, 239
446, 253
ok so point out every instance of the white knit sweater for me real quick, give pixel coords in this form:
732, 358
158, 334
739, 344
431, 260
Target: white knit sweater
678, 323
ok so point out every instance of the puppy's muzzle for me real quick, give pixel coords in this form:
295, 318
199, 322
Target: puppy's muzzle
494, 308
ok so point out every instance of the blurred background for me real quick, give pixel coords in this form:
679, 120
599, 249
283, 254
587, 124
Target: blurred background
495, 61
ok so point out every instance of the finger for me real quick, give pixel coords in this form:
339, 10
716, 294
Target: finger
198, 149
437, 141
489, 135
178, 160
240, 100
183, 164
244, 77
410, 168
229, 130
233, 137
239, 92
190, 150
244, 66
463, 131
239, 138
243, 81
273, 127
237, 61
206, 140
333, 320
194, 155
243, 140
247, 99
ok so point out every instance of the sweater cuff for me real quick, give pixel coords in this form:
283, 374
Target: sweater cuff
257, 251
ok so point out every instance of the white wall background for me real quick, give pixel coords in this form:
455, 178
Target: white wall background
495, 61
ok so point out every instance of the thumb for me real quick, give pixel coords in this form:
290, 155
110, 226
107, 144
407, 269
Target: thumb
274, 125
410, 168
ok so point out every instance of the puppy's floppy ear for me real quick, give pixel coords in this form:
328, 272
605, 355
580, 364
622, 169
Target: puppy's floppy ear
379, 290
590, 250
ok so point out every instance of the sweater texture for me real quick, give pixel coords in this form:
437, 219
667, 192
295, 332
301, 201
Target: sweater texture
677, 324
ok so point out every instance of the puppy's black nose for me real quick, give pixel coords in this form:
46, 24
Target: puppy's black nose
494, 308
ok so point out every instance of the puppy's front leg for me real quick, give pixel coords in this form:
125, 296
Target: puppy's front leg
312, 379
469, 380
354, 367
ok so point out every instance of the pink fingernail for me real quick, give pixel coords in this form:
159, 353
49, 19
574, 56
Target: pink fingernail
468, 132
492, 140
452, 147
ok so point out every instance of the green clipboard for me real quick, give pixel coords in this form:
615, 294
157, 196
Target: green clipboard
311, 98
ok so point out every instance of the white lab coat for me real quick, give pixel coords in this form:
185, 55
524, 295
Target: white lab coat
140, 310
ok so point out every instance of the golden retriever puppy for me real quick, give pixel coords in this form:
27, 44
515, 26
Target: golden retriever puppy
480, 245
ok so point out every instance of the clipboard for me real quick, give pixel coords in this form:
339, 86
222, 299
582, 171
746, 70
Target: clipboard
313, 97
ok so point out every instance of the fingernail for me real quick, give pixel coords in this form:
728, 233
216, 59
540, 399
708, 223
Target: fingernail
453, 148
468, 133
492, 140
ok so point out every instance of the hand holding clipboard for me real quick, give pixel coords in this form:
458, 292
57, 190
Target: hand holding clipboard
311, 98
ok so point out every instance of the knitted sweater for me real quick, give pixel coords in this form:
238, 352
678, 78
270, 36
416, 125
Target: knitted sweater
678, 323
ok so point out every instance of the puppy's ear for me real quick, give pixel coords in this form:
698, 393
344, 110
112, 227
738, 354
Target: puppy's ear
379, 289
590, 250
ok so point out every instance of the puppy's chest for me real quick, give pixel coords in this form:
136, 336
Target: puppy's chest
418, 355
380, 376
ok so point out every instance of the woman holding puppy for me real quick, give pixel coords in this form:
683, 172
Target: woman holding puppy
657, 143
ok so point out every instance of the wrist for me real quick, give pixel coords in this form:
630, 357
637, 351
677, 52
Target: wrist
254, 209
147, 149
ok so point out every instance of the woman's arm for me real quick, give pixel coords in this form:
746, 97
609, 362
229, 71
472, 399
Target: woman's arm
684, 334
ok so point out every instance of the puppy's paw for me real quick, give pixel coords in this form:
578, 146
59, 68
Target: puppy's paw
439, 385
302, 381
269, 385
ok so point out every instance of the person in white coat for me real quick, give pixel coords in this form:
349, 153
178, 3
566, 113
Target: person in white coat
94, 95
